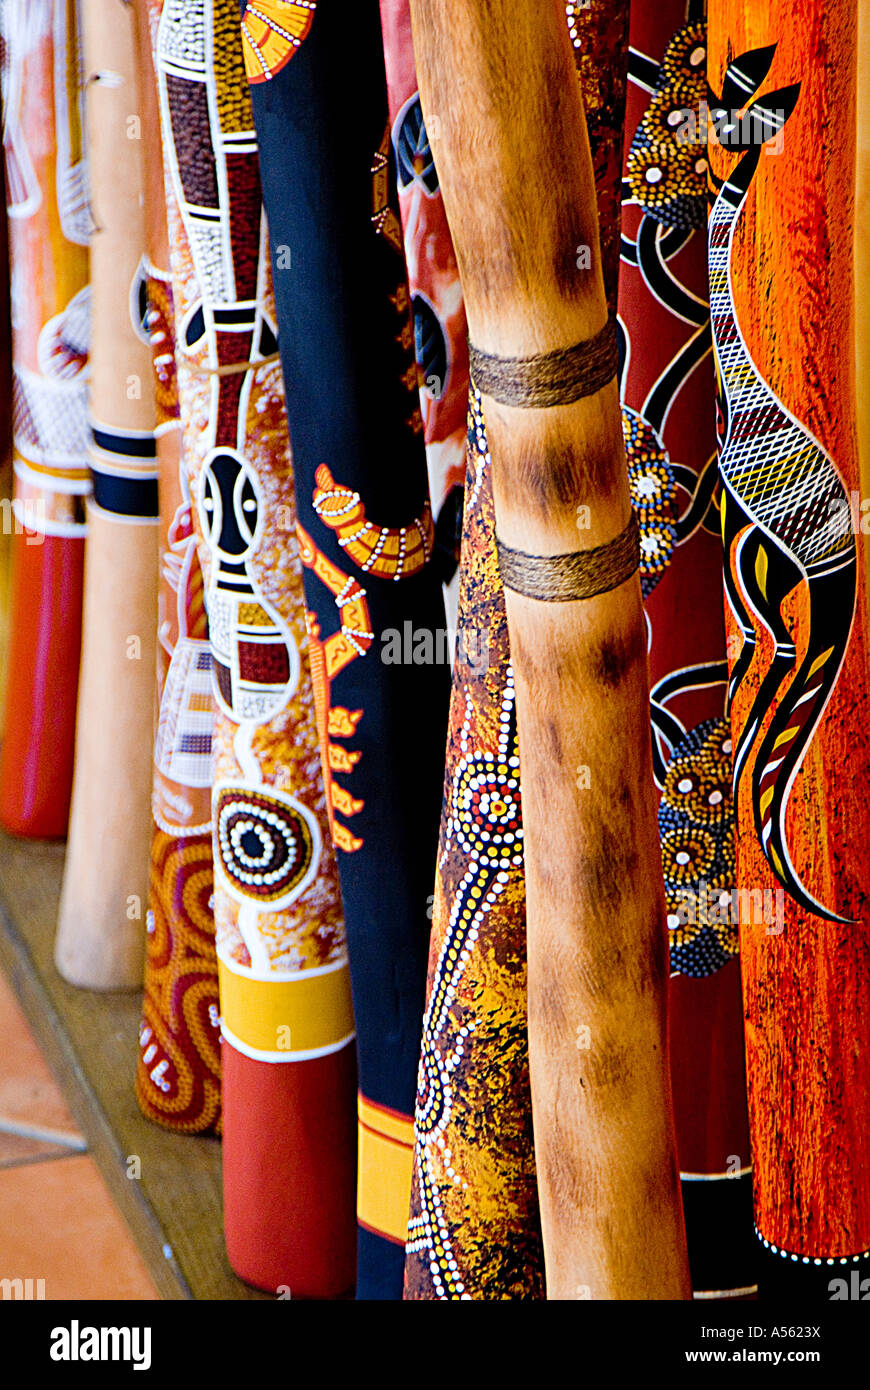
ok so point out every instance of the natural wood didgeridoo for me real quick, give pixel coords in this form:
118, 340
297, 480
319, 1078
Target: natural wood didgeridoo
101, 926
502, 106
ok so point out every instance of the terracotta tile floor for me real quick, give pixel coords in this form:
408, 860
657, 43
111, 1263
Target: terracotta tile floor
57, 1219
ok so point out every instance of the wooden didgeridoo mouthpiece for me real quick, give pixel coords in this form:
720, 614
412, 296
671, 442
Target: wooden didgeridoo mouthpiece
504, 112
100, 938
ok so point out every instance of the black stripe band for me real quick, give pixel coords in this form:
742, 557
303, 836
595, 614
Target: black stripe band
719, 1233
235, 319
126, 496
142, 446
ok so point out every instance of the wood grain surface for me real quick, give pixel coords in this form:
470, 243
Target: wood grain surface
101, 927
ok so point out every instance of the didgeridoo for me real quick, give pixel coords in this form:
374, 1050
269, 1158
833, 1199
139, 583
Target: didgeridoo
862, 256
479, 1237
543, 360
440, 329
48, 235
288, 1060
100, 936
667, 387
179, 1063
365, 532
782, 300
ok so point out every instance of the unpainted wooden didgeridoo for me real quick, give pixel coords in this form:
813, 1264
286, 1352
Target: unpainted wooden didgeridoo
604, 1142
100, 938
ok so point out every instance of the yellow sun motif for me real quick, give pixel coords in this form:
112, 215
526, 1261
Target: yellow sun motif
272, 30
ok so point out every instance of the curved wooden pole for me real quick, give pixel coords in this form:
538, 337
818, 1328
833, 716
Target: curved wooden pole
503, 109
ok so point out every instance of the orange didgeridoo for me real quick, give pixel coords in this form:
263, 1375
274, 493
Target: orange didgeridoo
783, 298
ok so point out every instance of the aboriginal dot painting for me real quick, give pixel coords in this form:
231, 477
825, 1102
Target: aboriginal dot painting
285, 1007
666, 388
367, 539
474, 1231
408, 988
178, 1078
178, 1073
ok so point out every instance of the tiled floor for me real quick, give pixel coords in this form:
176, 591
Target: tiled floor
58, 1222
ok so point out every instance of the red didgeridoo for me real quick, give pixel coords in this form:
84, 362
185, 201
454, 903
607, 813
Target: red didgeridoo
48, 234
282, 1173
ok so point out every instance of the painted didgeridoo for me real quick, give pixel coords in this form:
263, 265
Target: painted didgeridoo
862, 256
440, 329
782, 303
667, 388
475, 1230
178, 1070
374, 600
48, 235
100, 938
530, 265
287, 1058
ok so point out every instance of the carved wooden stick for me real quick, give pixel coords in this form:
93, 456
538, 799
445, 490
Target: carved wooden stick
288, 1059
364, 527
517, 181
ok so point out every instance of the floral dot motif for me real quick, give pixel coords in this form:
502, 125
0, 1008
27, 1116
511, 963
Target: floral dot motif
653, 491
688, 853
665, 173
696, 826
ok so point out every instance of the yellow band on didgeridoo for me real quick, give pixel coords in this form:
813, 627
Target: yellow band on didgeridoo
386, 1152
290, 1019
